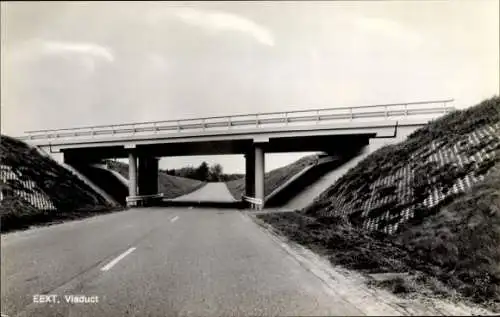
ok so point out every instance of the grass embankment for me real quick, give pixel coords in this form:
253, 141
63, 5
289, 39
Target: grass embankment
35, 189
274, 178
170, 186
429, 206
105, 180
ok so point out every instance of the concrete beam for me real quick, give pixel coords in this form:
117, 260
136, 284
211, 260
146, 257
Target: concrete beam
379, 128
261, 139
132, 174
259, 172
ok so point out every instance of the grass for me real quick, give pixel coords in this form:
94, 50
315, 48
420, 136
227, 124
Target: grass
237, 188
173, 186
453, 253
450, 247
462, 241
106, 181
170, 186
272, 179
19, 214
71, 197
421, 174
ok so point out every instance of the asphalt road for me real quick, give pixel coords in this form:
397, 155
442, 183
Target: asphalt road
159, 262
211, 192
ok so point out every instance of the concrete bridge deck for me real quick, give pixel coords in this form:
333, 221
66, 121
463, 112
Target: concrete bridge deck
315, 122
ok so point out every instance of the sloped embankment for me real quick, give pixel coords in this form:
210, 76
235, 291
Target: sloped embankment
105, 180
170, 186
274, 178
429, 206
36, 189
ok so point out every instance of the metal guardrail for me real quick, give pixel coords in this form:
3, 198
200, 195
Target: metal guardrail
134, 200
257, 120
256, 203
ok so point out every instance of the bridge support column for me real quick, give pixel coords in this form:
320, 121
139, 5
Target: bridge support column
249, 174
148, 176
132, 174
259, 172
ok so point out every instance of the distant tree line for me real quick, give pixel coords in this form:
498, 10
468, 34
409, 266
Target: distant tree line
204, 173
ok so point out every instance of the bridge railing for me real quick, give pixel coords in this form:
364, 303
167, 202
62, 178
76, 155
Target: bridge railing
249, 121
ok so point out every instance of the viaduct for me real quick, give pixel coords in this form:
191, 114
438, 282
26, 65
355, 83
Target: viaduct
330, 130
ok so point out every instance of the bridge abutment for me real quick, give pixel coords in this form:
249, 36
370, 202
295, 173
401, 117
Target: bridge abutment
249, 173
143, 180
148, 176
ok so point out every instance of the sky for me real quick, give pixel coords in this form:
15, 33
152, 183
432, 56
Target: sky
68, 64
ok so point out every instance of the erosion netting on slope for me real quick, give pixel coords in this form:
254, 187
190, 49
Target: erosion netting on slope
34, 188
404, 182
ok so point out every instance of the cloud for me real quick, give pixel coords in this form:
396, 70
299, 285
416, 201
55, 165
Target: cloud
157, 61
223, 21
388, 28
85, 49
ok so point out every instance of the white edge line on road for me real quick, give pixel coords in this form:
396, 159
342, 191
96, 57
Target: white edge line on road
174, 219
108, 266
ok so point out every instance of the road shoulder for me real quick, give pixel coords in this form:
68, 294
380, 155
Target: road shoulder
353, 288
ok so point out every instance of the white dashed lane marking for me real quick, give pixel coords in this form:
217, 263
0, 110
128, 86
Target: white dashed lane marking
108, 266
